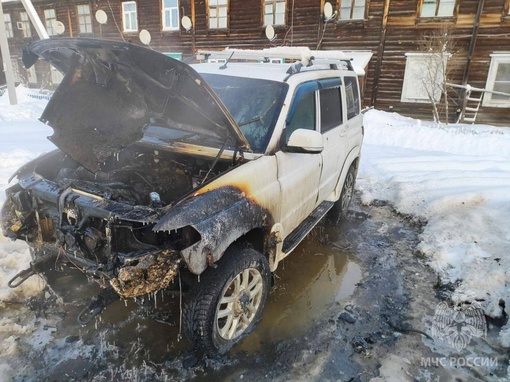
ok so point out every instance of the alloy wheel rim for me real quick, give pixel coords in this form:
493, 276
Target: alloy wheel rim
347, 194
239, 304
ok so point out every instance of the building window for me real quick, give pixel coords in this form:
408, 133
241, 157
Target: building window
437, 8
498, 81
129, 16
25, 24
84, 19
50, 20
31, 75
352, 9
274, 12
8, 25
56, 76
218, 10
15, 68
423, 77
170, 14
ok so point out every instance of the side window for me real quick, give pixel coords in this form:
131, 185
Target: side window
352, 95
331, 108
304, 115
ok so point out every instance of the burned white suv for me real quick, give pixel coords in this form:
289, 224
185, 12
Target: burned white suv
215, 171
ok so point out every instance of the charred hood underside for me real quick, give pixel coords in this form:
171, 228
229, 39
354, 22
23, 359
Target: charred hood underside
112, 90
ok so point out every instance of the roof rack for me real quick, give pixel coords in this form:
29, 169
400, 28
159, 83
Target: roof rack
302, 55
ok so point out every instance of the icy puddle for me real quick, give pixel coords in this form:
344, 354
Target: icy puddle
314, 281
309, 282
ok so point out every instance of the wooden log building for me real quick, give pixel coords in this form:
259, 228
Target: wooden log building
395, 31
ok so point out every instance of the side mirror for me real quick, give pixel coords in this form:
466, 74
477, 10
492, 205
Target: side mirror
305, 141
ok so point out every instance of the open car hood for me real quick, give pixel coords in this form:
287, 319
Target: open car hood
112, 90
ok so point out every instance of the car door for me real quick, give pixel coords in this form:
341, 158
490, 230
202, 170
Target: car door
299, 173
333, 130
354, 118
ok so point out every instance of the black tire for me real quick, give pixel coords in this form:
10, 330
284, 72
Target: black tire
205, 330
341, 206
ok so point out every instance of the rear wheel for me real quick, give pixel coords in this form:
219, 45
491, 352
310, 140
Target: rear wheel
341, 206
228, 301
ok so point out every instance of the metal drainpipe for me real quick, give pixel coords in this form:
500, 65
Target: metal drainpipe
467, 68
472, 44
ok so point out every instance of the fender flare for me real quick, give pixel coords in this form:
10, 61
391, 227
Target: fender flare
220, 216
352, 157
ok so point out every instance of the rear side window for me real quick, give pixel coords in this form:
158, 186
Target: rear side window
352, 94
331, 109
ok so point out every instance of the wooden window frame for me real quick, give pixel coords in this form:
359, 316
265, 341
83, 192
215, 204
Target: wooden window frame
27, 25
80, 16
124, 29
9, 30
505, 16
409, 84
339, 10
273, 14
163, 10
50, 28
436, 17
496, 59
217, 8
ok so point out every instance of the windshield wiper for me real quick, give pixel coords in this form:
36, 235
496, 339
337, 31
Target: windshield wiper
215, 160
256, 119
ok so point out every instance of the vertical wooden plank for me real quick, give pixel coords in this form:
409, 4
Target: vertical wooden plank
380, 51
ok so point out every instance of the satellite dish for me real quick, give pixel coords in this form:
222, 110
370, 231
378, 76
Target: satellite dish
186, 23
101, 17
328, 11
59, 27
270, 33
145, 36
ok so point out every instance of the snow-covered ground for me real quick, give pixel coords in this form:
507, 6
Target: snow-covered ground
458, 178
22, 137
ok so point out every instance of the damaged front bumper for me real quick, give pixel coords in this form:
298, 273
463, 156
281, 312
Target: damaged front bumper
112, 243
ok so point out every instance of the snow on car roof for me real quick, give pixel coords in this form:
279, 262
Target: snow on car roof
273, 72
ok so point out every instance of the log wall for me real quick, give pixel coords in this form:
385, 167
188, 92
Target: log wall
390, 29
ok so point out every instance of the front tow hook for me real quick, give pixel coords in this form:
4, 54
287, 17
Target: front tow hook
21, 277
97, 305
35, 267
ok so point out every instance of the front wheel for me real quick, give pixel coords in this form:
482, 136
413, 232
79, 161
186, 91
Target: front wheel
228, 301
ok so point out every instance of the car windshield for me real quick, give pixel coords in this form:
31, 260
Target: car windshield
255, 105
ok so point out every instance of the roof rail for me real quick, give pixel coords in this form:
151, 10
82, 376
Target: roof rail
304, 55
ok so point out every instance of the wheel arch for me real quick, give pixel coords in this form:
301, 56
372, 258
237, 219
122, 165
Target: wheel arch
221, 217
352, 158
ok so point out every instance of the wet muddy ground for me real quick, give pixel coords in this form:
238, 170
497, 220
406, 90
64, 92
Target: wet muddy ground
349, 304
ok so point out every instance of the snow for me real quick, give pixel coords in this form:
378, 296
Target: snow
457, 177
22, 137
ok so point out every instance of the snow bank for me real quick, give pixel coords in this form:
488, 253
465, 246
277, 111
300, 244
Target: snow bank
22, 137
27, 108
458, 178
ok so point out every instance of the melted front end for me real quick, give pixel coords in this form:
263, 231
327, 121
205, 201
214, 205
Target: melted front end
103, 223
